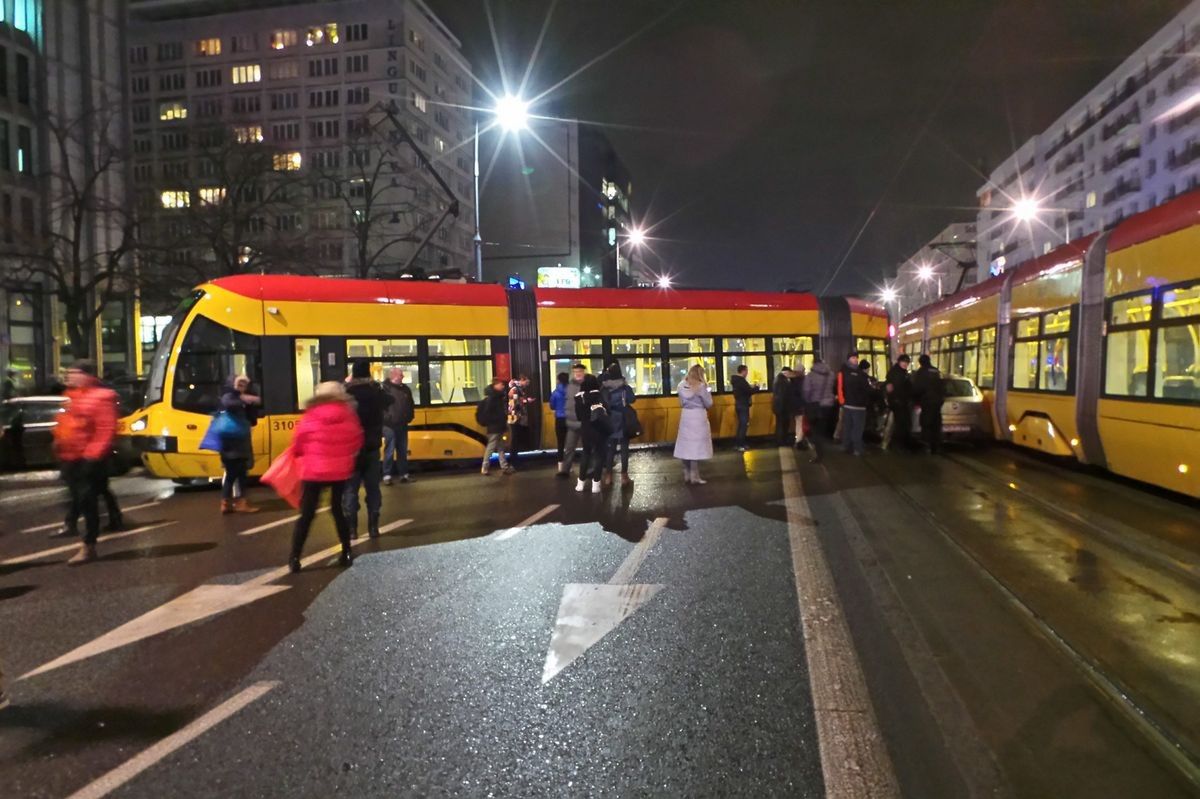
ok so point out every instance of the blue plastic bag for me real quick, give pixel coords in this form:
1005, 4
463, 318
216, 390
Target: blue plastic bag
222, 428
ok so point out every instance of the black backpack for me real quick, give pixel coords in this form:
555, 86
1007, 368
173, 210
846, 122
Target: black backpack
481, 409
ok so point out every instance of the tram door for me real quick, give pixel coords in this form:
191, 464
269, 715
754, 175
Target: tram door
526, 359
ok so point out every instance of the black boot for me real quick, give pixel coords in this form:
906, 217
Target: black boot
294, 564
373, 527
345, 559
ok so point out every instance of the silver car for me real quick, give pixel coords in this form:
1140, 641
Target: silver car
962, 409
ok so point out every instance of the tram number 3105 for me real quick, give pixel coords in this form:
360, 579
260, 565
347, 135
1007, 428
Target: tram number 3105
283, 424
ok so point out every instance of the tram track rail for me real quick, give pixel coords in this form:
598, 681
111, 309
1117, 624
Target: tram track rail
1114, 691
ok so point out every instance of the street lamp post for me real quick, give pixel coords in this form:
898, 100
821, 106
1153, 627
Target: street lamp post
478, 238
512, 113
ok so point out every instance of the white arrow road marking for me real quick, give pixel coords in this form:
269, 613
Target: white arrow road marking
196, 605
519, 526
46, 553
132, 768
590, 611
52, 525
277, 523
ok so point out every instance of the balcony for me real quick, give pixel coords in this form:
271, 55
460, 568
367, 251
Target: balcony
1121, 189
1184, 157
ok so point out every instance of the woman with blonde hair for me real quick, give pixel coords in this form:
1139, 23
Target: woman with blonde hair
694, 441
327, 442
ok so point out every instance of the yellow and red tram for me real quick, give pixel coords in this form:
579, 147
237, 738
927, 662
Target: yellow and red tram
289, 333
1091, 351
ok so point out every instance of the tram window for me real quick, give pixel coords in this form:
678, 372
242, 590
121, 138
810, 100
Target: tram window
641, 361
1025, 363
566, 352
987, 358
383, 348
1127, 363
1027, 327
1054, 364
162, 356
1132, 310
210, 354
308, 368
1177, 372
686, 353
788, 351
459, 370
748, 352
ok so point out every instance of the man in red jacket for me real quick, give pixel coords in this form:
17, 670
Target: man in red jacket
83, 439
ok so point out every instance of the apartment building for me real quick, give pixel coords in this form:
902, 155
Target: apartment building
941, 267
1131, 143
297, 89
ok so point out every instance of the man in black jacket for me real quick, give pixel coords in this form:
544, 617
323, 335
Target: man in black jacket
929, 393
898, 393
742, 393
371, 401
396, 419
781, 404
855, 393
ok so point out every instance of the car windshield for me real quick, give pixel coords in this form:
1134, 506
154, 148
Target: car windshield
956, 387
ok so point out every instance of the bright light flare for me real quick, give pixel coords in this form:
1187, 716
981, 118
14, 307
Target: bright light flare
1026, 209
925, 272
636, 236
512, 113
664, 281
888, 295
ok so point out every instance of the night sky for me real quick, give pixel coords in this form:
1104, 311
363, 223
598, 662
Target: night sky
760, 134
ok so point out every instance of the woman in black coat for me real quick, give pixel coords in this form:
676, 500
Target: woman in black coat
589, 409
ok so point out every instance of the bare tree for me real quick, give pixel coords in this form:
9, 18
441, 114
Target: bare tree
84, 254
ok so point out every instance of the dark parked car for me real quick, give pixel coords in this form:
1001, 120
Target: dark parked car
28, 425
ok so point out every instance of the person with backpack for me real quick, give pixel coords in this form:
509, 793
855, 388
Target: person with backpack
818, 403
328, 444
492, 415
618, 401
558, 404
396, 419
594, 429
574, 424
371, 401
236, 453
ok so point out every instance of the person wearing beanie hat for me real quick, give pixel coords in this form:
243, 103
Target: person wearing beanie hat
928, 392
372, 402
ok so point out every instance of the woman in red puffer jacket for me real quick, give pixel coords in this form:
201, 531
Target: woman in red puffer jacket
327, 441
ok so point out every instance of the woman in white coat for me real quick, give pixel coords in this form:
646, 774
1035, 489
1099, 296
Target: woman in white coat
694, 442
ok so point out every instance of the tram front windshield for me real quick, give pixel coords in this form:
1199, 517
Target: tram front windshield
162, 356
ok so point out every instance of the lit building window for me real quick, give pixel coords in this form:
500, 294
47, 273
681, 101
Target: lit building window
248, 134
170, 111
282, 39
439, 144
612, 236
208, 47
609, 188
176, 199
1091, 199
286, 162
419, 101
327, 33
212, 196
248, 73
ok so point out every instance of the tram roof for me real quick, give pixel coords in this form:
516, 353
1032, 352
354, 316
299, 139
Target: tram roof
675, 299
300, 288
1177, 214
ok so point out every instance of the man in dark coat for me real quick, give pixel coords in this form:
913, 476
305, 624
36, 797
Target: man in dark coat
928, 392
743, 393
396, 419
854, 393
781, 393
898, 392
371, 401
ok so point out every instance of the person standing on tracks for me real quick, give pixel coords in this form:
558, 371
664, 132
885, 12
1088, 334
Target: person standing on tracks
818, 403
396, 419
237, 453
898, 392
328, 443
83, 439
593, 427
854, 394
929, 392
781, 399
574, 423
743, 395
617, 396
371, 402
694, 441
796, 403
492, 415
520, 398
558, 404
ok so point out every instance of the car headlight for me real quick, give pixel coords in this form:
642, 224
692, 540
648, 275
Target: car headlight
138, 426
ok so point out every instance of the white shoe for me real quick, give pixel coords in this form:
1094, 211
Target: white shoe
580, 485
387, 479
596, 486
697, 481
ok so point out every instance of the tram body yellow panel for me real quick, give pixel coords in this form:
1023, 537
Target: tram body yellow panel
1151, 442
1160, 261
1028, 413
383, 320
1057, 288
868, 326
643, 322
968, 317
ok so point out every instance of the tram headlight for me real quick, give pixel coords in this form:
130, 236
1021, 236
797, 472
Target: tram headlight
1074, 442
138, 426
1183, 468
1012, 428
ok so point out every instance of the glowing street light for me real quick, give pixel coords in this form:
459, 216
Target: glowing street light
636, 237
925, 272
664, 281
1026, 209
888, 295
512, 113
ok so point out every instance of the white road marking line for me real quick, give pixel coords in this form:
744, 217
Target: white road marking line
23, 496
633, 561
324, 554
519, 526
52, 525
277, 523
104, 539
167, 746
854, 759
590, 611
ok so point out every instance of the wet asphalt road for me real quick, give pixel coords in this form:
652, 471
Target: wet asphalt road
419, 671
